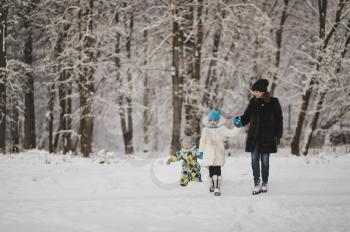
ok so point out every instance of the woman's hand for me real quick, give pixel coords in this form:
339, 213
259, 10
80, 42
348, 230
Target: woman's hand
277, 140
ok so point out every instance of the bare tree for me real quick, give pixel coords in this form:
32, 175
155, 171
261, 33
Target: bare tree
176, 73
3, 19
279, 37
146, 95
64, 85
325, 38
125, 99
29, 140
50, 116
322, 93
86, 79
211, 81
193, 46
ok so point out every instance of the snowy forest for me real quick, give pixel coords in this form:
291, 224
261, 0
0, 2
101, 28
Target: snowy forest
77, 76
130, 115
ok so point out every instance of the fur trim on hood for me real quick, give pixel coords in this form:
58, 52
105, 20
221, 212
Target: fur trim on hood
221, 122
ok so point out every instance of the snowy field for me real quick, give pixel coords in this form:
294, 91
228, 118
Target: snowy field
45, 193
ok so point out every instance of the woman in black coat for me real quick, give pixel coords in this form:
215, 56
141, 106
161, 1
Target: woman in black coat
264, 116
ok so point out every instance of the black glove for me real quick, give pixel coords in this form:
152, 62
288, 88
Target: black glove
277, 140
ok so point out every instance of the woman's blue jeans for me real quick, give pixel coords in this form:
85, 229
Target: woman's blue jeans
264, 157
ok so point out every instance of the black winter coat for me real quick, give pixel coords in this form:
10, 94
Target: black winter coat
266, 124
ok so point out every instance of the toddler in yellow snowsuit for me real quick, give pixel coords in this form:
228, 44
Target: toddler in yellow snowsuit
191, 170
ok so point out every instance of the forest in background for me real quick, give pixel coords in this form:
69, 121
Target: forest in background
82, 75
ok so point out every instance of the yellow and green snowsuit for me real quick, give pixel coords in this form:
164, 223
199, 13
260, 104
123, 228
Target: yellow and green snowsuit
191, 170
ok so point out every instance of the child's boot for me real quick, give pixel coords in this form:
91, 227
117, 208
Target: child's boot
211, 184
217, 184
196, 177
184, 181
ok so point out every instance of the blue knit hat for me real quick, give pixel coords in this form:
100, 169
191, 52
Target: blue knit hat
214, 115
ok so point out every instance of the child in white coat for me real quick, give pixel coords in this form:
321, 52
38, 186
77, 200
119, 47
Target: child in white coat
212, 145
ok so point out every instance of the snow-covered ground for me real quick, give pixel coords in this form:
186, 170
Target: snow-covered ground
55, 193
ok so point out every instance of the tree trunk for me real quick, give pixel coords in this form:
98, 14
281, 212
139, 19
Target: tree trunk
279, 37
177, 78
64, 130
3, 18
125, 100
86, 83
68, 145
63, 134
209, 97
297, 134
313, 122
129, 135
118, 67
14, 127
146, 96
29, 141
50, 119
193, 48
187, 13
309, 89
62, 103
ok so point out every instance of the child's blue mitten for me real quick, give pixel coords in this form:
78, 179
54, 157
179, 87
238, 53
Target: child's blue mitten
238, 122
200, 156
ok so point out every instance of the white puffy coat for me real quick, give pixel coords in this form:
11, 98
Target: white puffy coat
212, 142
